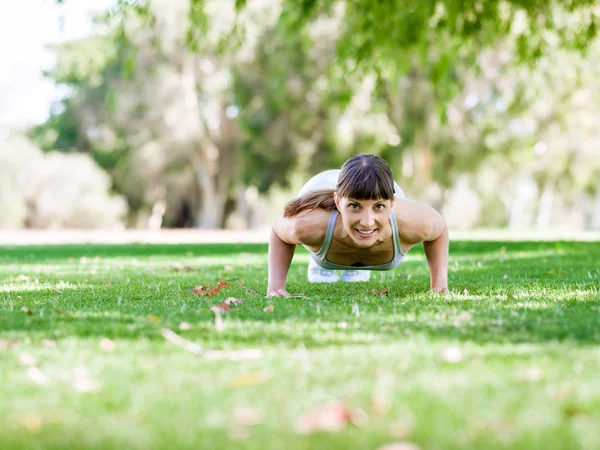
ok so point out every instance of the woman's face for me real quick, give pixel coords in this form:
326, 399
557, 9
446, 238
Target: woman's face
364, 220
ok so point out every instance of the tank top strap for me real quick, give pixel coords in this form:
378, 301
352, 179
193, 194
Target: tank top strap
328, 236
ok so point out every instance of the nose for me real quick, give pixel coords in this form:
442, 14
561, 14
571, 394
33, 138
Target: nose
367, 220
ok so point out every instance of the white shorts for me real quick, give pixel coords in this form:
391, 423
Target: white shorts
328, 180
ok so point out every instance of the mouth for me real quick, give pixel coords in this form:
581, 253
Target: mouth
366, 233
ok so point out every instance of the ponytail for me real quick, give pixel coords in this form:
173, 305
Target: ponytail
322, 199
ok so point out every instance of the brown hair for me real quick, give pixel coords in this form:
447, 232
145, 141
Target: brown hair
363, 177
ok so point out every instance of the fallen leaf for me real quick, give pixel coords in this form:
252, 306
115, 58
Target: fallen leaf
505, 277
452, 355
32, 423
27, 359
251, 292
27, 310
222, 284
184, 326
269, 309
48, 343
23, 278
174, 338
82, 382
37, 376
330, 417
233, 301
247, 417
228, 268
380, 292
107, 345
108, 283
200, 290
399, 446
248, 379
10, 343
62, 313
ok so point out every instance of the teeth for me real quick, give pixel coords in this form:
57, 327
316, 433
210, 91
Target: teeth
365, 233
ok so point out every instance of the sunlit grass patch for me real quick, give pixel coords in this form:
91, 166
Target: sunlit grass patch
507, 360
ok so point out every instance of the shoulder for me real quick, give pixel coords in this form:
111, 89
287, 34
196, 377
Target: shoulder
417, 222
307, 228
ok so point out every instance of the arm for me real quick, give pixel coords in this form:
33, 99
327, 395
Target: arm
421, 223
280, 258
436, 251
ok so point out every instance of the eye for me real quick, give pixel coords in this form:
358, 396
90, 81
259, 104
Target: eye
353, 206
380, 206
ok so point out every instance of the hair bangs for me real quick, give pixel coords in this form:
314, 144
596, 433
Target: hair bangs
367, 186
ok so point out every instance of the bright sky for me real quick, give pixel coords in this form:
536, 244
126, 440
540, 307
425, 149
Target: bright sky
26, 28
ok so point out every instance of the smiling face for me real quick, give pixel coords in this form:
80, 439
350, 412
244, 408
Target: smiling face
365, 221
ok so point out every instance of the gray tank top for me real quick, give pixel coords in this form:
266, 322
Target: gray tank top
320, 256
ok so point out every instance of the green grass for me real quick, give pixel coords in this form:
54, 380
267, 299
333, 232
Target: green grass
523, 319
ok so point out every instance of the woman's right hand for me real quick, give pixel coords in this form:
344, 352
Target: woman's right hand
278, 293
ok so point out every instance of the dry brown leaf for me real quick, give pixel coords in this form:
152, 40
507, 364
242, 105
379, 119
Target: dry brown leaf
222, 284
108, 283
251, 292
269, 309
9, 343
27, 310
380, 292
62, 313
329, 417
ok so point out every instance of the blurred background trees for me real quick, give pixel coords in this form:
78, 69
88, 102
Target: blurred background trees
188, 113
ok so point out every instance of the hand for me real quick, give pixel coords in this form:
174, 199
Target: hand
279, 293
440, 290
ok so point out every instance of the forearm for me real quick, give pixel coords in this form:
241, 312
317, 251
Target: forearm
280, 258
437, 259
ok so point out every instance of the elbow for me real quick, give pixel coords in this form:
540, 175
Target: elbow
435, 230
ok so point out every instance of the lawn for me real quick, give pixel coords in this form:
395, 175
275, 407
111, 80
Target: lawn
103, 347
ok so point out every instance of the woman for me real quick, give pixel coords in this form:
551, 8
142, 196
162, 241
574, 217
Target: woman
357, 222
